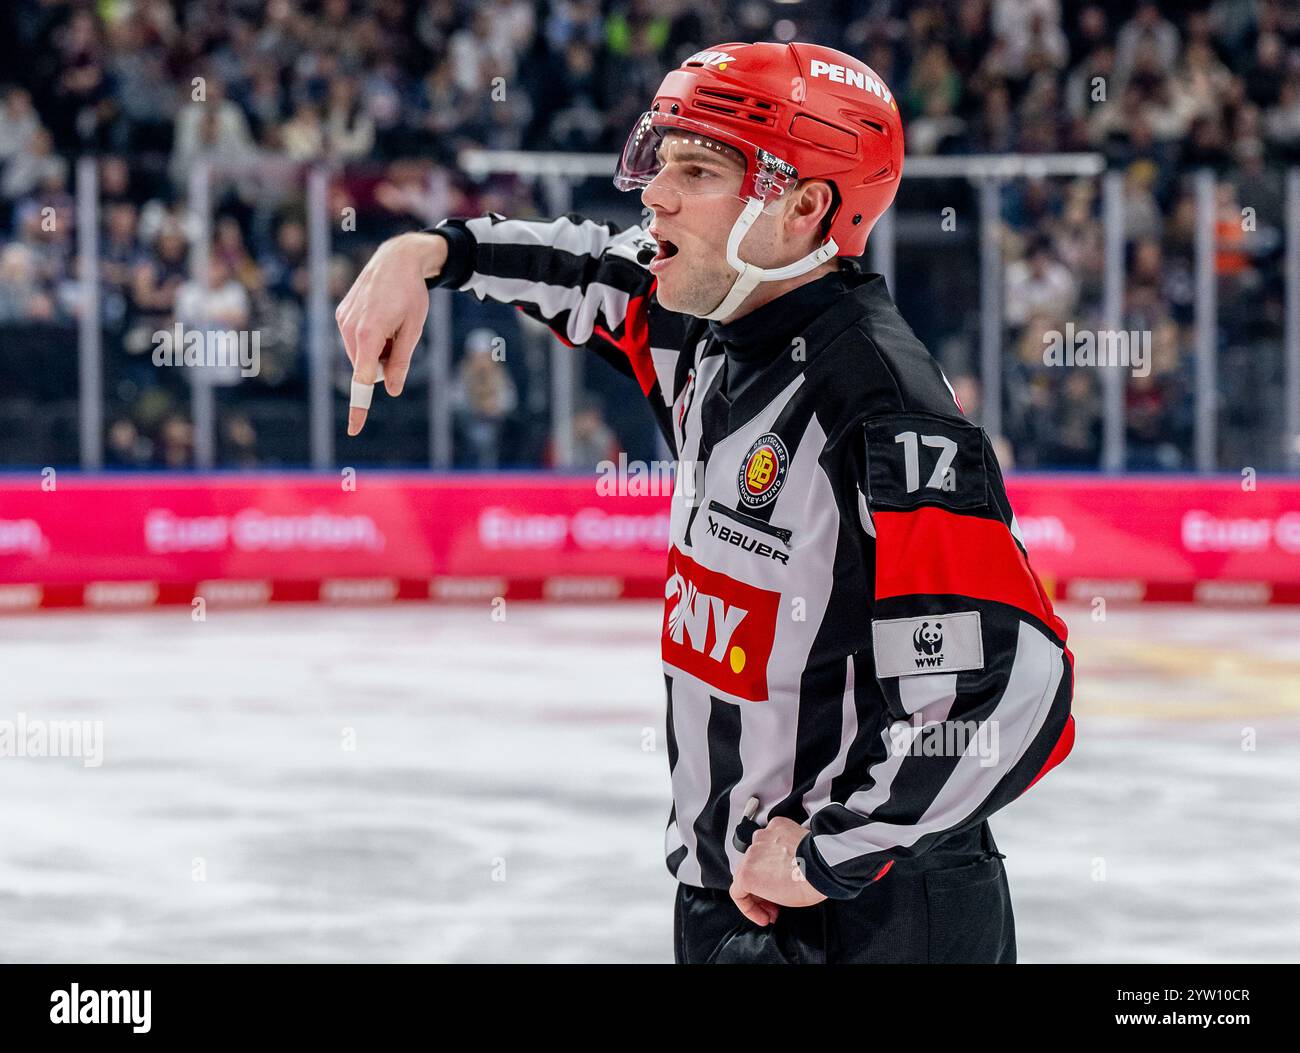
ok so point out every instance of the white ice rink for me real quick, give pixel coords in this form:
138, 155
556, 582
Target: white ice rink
508, 789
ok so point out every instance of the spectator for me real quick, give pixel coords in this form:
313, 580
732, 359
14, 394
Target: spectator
19, 123
119, 254
302, 136
284, 266
157, 277
175, 445
593, 439
222, 308
1263, 77
224, 304
81, 105
933, 78
349, 129
1074, 440
239, 442
1281, 124
33, 166
1031, 35
1039, 284
23, 298
115, 182
1147, 37
482, 397
143, 93
125, 447
209, 126
1090, 83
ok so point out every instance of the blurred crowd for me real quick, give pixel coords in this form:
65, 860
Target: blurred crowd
391, 90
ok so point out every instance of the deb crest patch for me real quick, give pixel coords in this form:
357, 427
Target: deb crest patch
762, 472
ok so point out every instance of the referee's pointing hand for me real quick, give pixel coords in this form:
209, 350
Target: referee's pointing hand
383, 314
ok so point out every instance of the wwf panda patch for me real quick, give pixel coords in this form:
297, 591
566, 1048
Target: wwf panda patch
932, 643
928, 638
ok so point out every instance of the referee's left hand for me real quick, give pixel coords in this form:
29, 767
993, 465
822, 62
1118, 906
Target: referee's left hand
769, 874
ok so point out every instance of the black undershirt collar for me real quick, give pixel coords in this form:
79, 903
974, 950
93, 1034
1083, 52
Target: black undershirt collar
756, 339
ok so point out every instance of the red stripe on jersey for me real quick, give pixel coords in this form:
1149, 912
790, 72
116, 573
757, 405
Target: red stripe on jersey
635, 342
1059, 752
931, 551
883, 871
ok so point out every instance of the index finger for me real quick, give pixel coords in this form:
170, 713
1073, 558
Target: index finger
362, 393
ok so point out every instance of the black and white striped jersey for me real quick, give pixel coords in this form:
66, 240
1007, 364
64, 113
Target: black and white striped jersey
852, 633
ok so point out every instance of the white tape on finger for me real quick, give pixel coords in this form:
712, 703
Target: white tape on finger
362, 393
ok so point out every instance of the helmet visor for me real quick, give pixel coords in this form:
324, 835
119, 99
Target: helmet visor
693, 157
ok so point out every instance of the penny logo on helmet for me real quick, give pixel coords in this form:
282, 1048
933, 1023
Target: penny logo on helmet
854, 77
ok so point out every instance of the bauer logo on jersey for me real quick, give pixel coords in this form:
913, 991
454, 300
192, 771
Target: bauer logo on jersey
717, 629
762, 473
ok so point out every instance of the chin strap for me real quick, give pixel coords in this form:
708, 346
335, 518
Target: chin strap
747, 275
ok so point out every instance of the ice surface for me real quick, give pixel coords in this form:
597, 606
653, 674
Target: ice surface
508, 789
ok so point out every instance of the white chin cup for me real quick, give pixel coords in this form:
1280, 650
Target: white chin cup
747, 275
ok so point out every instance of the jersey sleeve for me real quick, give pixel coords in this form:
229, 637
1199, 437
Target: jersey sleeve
585, 280
969, 655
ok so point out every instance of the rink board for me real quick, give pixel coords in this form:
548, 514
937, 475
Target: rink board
372, 537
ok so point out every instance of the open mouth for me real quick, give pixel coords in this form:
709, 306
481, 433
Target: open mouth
667, 250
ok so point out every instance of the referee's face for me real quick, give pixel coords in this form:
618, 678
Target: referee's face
695, 199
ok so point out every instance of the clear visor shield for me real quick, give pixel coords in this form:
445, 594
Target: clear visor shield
688, 156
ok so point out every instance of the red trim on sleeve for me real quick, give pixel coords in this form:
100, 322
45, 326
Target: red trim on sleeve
930, 551
883, 871
1059, 752
555, 330
635, 343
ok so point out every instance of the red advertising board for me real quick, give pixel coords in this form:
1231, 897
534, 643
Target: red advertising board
132, 540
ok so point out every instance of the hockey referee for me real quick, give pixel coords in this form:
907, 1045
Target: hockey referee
861, 666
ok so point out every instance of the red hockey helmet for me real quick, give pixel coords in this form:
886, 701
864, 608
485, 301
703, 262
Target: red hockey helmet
794, 111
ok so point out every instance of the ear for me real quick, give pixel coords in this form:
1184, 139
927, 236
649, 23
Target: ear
809, 204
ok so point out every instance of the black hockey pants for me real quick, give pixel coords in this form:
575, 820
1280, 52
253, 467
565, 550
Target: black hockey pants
951, 904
